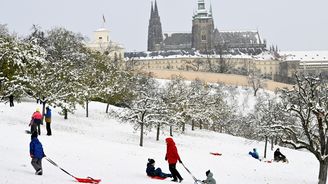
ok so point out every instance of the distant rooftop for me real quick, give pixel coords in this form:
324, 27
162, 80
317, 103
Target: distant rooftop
319, 55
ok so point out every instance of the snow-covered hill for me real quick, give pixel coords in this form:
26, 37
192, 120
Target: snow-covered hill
103, 148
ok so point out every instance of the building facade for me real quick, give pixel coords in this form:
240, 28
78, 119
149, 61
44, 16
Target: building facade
204, 36
101, 42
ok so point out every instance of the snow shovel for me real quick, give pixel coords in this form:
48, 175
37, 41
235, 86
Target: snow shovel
193, 177
81, 180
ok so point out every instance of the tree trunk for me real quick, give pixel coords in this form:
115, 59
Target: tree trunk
157, 133
323, 172
107, 108
171, 131
265, 146
141, 134
200, 125
183, 127
192, 125
65, 113
43, 110
87, 108
11, 101
271, 143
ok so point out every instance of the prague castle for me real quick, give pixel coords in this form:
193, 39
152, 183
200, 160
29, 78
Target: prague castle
208, 49
204, 37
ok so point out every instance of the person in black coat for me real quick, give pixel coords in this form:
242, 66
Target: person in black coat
278, 156
151, 171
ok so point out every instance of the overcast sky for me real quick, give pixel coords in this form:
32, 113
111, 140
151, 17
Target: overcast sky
290, 24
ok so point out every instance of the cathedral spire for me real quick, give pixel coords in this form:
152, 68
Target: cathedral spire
152, 10
155, 35
156, 9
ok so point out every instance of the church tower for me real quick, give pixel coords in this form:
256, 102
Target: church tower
155, 35
202, 28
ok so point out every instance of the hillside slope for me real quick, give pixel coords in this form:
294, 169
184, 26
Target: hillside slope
103, 148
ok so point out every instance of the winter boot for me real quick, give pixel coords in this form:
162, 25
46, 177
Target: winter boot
38, 172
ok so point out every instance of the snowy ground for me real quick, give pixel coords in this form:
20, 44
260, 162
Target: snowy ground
103, 148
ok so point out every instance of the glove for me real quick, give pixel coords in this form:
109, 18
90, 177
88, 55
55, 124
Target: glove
165, 158
31, 156
180, 161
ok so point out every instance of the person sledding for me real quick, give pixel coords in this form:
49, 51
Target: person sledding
278, 156
254, 154
209, 179
36, 153
155, 173
172, 158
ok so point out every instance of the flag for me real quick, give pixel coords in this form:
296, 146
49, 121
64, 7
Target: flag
104, 18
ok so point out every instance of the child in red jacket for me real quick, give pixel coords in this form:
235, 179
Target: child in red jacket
172, 158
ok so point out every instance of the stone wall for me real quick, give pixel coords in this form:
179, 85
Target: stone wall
238, 80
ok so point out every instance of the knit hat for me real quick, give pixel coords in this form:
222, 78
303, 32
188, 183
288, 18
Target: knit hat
208, 172
151, 161
34, 134
38, 109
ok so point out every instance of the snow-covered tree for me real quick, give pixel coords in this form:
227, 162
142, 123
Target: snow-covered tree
20, 60
4, 30
256, 81
307, 104
223, 111
144, 109
66, 53
93, 76
175, 95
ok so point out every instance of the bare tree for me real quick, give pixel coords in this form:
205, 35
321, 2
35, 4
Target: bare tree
307, 104
256, 81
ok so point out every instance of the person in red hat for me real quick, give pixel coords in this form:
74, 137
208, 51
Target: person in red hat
172, 158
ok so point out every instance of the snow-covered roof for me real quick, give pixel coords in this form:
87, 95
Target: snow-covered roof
194, 56
264, 56
304, 55
101, 29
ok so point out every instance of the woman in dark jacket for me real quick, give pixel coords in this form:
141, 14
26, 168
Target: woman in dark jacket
151, 171
172, 158
36, 153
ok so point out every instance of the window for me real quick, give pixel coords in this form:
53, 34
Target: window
203, 37
100, 38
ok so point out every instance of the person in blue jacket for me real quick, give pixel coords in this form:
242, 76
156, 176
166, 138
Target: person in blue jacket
151, 171
254, 154
47, 116
36, 153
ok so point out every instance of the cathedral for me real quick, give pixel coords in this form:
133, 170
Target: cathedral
204, 37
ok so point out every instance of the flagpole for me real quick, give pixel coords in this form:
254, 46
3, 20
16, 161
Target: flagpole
104, 20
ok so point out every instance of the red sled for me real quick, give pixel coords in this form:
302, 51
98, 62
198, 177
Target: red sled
157, 177
81, 180
88, 180
216, 154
